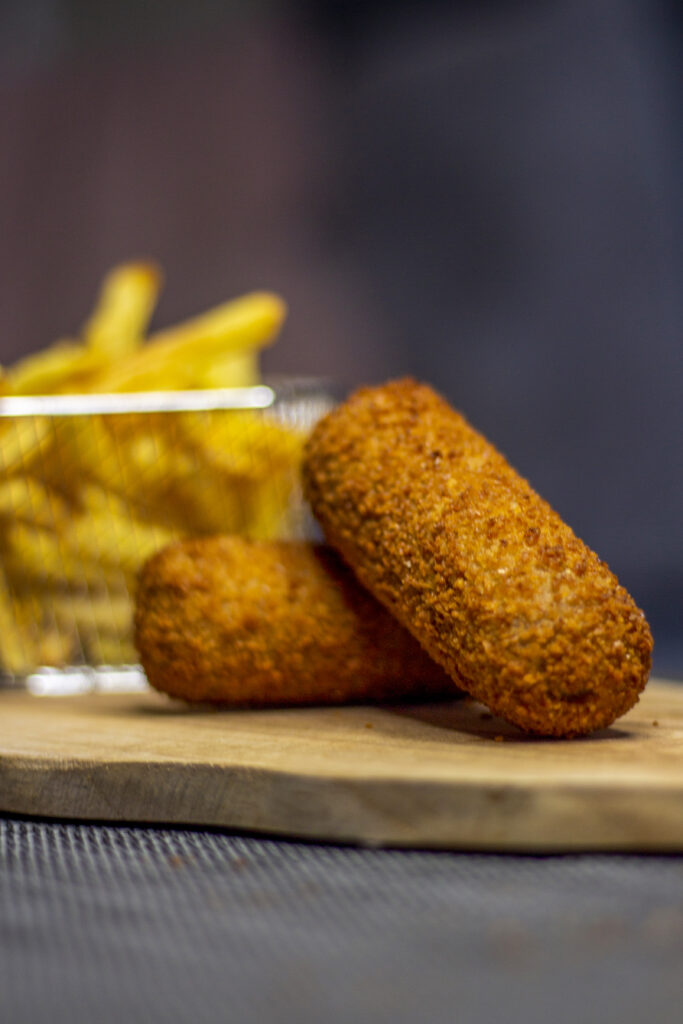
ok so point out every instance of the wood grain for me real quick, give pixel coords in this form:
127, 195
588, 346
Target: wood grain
446, 775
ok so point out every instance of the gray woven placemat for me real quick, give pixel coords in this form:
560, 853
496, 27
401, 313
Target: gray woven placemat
101, 923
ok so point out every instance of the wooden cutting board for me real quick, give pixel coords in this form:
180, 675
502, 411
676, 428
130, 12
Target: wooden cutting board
446, 775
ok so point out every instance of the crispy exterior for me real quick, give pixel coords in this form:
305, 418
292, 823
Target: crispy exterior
257, 623
467, 556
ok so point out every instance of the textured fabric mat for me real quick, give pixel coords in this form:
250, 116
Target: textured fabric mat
101, 923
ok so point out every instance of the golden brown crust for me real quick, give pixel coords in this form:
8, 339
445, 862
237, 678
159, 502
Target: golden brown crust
251, 623
467, 556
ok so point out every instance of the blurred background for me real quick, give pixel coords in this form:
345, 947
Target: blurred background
485, 195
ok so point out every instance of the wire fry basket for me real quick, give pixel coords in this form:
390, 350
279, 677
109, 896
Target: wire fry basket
92, 485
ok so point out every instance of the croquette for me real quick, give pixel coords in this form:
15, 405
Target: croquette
256, 623
490, 580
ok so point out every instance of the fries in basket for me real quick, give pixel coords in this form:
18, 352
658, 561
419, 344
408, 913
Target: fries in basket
86, 497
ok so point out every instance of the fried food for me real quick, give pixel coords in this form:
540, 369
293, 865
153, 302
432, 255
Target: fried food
490, 580
182, 356
126, 302
19, 647
114, 331
252, 623
84, 499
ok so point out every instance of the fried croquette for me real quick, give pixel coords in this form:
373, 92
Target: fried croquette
490, 580
249, 623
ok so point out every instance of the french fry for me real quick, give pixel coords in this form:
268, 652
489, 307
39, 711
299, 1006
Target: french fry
98, 500
267, 506
65, 366
83, 451
126, 302
234, 370
51, 643
18, 646
27, 500
101, 621
21, 442
109, 649
240, 443
134, 464
178, 356
101, 611
116, 542
84, 500
43, 558
58, 648
115, 329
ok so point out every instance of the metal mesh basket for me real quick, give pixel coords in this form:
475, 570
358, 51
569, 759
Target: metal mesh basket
92, 485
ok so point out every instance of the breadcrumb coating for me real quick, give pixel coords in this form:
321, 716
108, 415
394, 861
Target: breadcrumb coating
490, 580
256, 623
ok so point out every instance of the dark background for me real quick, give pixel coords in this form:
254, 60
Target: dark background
485, 195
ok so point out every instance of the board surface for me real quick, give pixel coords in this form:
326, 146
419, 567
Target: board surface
433, 775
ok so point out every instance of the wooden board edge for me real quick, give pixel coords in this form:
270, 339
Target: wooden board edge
427, 814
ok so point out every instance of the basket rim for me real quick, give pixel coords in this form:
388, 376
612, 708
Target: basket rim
260, 396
